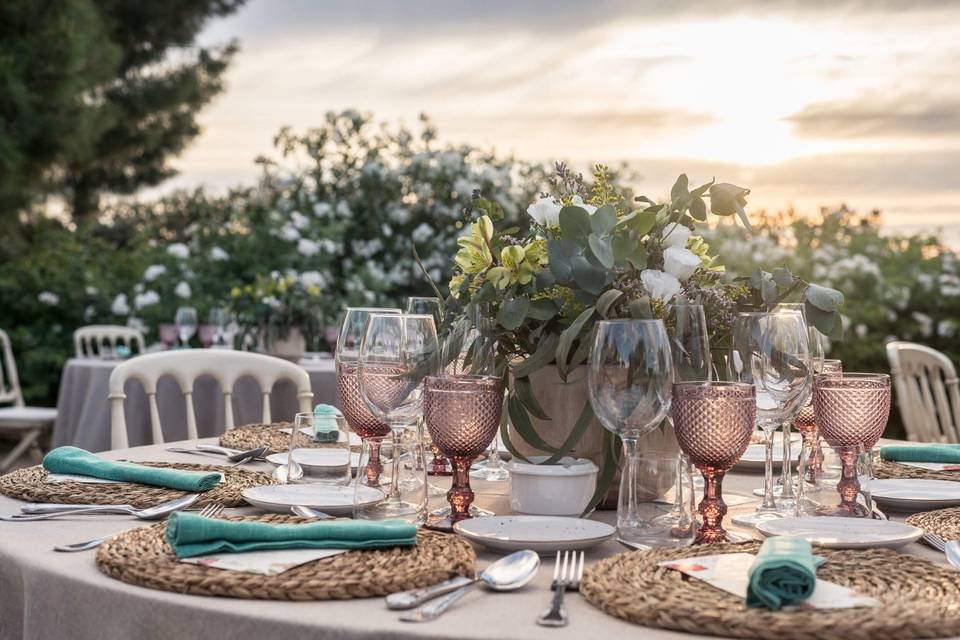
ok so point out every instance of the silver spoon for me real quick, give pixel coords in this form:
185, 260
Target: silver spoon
506, 574
952, 550
307, 512
152, 513
280, 474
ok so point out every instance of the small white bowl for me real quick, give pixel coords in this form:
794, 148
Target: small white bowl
562, 489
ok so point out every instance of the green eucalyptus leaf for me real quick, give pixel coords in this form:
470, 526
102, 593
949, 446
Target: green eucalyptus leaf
608, 469
623, 245
758, 278
560, 253
542, 309
643, 223
505, 434
828, 323
698, 209
579, 428
783, 277
602, 249
823, 298
567, 338
512, 312
639, 257
524, 391
768, 291
588, 277
645, 199
725, 198
575, 223
544, 355
486, 293
640, 308
603, 220
522, 425
681, 188
702, 189
605, 301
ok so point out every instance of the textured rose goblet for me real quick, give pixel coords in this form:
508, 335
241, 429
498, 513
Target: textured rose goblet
806, 424
713, 422
851, 409
358, 416
462, 415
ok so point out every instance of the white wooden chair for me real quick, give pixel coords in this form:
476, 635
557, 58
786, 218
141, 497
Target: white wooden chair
27, 424
101, 340
927, 392
185, 366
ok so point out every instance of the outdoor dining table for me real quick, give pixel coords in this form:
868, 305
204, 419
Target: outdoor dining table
45, 594
83, 418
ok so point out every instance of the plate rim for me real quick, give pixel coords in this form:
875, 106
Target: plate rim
459, 528
244, 492
949, 498
907, 537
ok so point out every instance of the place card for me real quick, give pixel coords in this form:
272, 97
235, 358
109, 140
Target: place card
267, 563
60, 478
933, 466
730, 572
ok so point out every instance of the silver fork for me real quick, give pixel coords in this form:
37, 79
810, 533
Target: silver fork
211, 510
567, 573
950, 548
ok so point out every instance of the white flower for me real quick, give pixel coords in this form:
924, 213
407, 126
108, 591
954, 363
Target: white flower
659, 285
343, 209
120, 306
307, 247
680, 263
422, 233
322, 209
48, 297
861, 330
289, 233
463, 187
146, 299
925, 323
545, 211
218, 254
299, 220
179, 250
313, 278
183, 289
329, 246
89, 312
676, 235
578, 202
154, 271
91, 291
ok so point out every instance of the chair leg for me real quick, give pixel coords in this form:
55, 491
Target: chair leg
28, 441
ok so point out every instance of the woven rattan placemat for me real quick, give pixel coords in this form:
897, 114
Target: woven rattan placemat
252, 436
919, 599
142, 557
944, 523
888, 469
30, 484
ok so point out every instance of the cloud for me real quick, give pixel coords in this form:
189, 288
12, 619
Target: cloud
909, 115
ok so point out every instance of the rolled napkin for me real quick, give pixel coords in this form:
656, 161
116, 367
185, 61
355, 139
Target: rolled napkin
948, 453
784, 573
71, 460
192, 535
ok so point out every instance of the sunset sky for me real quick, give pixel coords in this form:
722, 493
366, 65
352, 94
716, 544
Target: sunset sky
807, 103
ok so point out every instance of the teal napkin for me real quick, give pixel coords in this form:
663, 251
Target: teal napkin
784, 573
949, 453
83, 463
191, 535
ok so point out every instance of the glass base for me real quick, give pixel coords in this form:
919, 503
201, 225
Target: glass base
753, 519
496, 474
475, 512
434, 491
724, 537
777, 490
390, 510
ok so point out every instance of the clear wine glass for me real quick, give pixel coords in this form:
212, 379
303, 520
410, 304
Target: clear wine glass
218, 318
690, 347
426, 306
806, 424
186, 321
629, 380
397, 352
361, 421
787, 375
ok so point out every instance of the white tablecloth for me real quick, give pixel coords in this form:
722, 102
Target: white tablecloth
46, 595
83, 418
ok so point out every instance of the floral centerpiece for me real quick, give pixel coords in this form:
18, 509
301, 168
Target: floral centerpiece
592, 254
280, 313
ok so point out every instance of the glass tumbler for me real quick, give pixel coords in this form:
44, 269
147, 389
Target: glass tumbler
319, 450
662, 520
845, 473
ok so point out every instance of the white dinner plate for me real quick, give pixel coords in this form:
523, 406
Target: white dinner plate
337, 500
843, 533
317, 458
539, 533
909, 494
754, 457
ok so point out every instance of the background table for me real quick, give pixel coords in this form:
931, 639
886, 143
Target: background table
44, 594
83, 417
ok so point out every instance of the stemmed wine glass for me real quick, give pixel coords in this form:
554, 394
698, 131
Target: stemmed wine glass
629, 381
852, 409
713, 422
361, 421
186, 321
786, 374
806, 423
397, 352
462, 414
690, 347
438, 466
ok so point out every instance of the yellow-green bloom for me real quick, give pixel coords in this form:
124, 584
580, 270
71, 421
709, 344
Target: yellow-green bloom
455, 283
474, 255
519, 265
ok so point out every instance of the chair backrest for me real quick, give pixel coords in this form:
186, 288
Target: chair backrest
102, 340
927, 392
9, 381
185, 366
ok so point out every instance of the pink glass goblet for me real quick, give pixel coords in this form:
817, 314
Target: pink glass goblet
713, 422
806, 424
462, 415
851, 409
361, 421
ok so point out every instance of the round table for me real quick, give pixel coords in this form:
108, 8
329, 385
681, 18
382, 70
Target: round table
45, 594
83, 418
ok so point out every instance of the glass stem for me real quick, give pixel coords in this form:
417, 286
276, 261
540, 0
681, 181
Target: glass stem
395, 476
786, 470
712, 508
627, 509
678, 498
374, 466
493, 456
769, 503
460, 495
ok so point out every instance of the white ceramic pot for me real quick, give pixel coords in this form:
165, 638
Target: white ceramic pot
562, 489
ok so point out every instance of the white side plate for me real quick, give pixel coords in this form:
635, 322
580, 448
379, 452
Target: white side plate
539, 533
317, 458
908, 494
843, 533
336, 500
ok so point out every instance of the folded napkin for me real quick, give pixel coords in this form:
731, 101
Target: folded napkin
71, 460
949, 453
784, 573
191, 535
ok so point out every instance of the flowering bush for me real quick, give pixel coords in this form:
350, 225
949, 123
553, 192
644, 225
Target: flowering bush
277, 303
